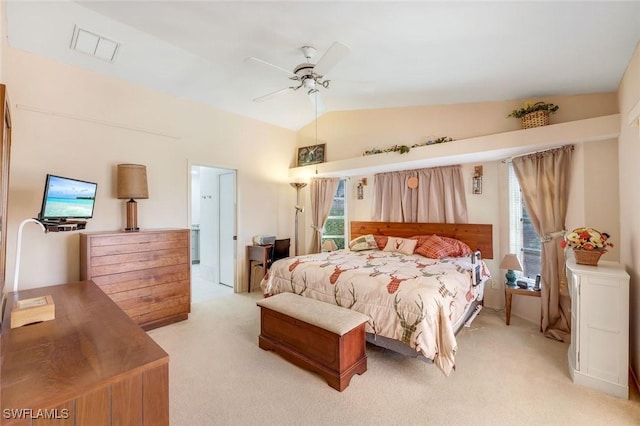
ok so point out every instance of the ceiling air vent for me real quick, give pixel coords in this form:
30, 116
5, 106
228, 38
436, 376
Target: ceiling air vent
93, 44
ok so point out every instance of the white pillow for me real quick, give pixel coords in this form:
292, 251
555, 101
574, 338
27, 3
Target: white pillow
400, 245
363, 242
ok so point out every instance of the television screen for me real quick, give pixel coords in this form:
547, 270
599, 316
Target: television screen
66, 198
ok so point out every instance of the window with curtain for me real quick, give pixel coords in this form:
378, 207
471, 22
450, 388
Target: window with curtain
523, 239
334, 227
424, 195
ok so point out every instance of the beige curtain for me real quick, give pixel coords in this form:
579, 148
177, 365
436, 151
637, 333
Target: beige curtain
544, 181
322, 191
439, 196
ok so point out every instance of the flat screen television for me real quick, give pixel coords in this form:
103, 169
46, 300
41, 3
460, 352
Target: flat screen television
66, 198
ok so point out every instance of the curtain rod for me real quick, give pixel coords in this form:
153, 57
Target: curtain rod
509, 159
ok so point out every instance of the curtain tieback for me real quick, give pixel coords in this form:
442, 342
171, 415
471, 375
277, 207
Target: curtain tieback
551, 236
315, 228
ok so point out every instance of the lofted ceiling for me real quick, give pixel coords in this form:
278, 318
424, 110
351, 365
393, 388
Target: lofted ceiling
401, 53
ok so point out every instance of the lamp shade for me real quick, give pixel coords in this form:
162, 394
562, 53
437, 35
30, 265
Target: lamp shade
132, 181
329, 245
511, 261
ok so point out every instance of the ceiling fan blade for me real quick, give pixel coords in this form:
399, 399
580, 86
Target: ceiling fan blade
354, 85
317, 102
331, 57
260, 61
271, 95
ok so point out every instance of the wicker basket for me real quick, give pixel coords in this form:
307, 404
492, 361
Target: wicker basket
587, 257
535, 119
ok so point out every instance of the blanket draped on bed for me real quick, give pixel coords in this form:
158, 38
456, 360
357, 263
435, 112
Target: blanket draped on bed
409, 298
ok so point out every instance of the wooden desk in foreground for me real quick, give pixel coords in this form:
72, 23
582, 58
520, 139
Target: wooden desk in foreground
91, 365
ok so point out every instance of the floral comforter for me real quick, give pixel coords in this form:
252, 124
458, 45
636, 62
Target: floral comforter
409, 298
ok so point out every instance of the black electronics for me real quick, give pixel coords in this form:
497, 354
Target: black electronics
522, 284
536, 287
66, 198
69, 225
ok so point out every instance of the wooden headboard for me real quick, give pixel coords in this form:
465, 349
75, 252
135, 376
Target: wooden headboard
478, 237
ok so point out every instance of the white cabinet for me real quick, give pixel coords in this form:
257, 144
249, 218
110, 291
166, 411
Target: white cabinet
599, 350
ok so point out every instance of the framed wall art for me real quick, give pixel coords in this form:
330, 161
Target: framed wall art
313, 154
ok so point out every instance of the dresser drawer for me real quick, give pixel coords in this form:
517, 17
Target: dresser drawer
142, 237
160, 310
116, 283
117, 263
130, 298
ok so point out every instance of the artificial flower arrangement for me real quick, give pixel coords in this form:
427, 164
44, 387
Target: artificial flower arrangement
530, 107
587, 239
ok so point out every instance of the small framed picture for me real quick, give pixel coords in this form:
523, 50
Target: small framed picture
311, 154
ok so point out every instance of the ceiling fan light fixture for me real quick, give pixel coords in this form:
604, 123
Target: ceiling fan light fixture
309, 83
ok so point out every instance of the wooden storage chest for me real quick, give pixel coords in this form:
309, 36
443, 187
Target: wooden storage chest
318, 336
147, 273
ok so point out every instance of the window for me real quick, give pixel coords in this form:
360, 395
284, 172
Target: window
335, 225
523, 239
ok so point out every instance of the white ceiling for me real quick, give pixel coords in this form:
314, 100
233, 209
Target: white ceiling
402, 53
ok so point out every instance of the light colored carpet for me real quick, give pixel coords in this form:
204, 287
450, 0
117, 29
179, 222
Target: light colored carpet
505, 375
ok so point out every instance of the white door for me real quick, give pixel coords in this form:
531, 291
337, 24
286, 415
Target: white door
227, 231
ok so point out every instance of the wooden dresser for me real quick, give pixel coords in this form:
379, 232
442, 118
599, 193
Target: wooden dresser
147, 273
91, 365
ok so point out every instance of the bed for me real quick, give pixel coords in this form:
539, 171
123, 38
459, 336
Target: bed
415, 303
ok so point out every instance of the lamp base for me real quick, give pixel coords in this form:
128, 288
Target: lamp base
132, 216
511, 278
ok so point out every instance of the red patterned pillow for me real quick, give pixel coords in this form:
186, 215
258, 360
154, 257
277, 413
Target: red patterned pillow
434, 247
421, 239
381, 241
460, 249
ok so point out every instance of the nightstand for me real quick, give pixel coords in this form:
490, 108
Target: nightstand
260, 254
510, 291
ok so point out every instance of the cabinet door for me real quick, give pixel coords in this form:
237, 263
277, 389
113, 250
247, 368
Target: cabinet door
601, 329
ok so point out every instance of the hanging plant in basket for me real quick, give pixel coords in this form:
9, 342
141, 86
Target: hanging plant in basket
588, 245
534, 114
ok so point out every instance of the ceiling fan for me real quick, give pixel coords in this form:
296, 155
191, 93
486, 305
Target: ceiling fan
308, 76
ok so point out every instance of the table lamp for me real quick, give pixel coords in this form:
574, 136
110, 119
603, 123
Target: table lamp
329, 245
511, 263
132, 183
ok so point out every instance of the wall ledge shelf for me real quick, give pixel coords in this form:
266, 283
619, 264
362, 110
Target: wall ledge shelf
478, 149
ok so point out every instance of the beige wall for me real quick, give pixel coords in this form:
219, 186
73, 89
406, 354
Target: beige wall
3, 38
76, 123
629, 172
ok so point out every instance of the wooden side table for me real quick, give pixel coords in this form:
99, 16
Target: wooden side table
510, 291
260, 254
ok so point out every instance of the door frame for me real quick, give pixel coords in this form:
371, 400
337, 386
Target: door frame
190, 165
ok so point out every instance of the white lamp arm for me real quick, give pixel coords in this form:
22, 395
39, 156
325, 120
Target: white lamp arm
16, 273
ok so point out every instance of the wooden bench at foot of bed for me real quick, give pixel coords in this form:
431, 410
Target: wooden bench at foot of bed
318, 336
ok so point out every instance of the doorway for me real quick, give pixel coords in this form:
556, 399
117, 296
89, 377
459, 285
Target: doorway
213, 232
